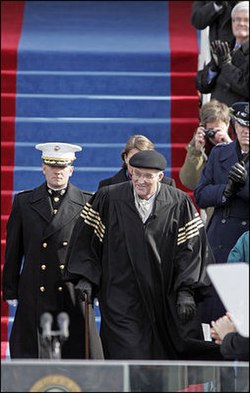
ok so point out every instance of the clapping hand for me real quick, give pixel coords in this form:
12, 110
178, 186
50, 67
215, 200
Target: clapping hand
220, 52
236, 179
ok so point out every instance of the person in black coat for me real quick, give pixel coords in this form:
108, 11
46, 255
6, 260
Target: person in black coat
134, 144
216, 15
38, 233
224, 184
226, 76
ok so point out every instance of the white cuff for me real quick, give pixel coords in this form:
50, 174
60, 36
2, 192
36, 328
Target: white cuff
12, 302
217, 7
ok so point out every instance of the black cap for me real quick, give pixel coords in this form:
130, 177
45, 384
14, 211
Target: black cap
148, 159
241, 113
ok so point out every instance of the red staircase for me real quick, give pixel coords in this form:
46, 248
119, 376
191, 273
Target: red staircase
184, 97
11, 23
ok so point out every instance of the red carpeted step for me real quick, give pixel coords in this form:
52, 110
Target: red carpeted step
8, 128
178, 153
7, 177
4, 305
4, 328
4, 346
182, 129
183, 40
182, 59
6, 201
8, 104
8, 81
3, 243
182, 83
7, 153
185, 106
4, 219
11, 25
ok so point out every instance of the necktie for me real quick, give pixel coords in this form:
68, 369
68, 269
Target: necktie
56, 197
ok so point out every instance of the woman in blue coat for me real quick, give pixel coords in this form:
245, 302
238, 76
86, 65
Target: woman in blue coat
224, 184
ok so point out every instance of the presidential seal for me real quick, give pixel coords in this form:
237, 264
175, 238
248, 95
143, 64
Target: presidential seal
55, 383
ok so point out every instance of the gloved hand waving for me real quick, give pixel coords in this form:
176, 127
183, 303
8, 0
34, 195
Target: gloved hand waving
83, 288
214, 55
186, 307
220, 52
236, 179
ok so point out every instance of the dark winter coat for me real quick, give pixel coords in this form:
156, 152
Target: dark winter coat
231, 84
219, 22
229, 220
36, 247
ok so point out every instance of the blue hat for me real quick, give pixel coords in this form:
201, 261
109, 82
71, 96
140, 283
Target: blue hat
58, 153
150, 159
241, 113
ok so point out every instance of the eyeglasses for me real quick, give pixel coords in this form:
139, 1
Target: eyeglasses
146, 176
239, 20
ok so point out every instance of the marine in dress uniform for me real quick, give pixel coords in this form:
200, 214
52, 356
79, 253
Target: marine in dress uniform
38, 234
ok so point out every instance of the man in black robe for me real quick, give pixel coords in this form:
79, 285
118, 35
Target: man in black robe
140, 247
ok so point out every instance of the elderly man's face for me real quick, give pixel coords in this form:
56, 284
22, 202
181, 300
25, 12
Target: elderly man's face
240, 25
243, 136
145, 181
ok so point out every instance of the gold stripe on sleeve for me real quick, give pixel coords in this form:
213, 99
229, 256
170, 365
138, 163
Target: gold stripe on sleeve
191, 229
91, 217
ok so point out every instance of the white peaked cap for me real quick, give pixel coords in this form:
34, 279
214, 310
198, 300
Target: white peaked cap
57, 153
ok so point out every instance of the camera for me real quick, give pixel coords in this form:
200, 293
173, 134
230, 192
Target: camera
209, 132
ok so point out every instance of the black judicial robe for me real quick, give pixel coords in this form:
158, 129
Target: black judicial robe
137, 270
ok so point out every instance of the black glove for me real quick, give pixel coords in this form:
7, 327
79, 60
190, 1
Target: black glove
238, 173
223, 53
82, 288
214, 55
220, 52
236, 179
186, 307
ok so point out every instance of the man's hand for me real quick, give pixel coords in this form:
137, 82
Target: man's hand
238, 173
236, 179
186, 307
214, 55
83, 288
199, 138
220, 53
221, 327
223, 53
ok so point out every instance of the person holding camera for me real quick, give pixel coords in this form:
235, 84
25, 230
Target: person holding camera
213, 129
224, 185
